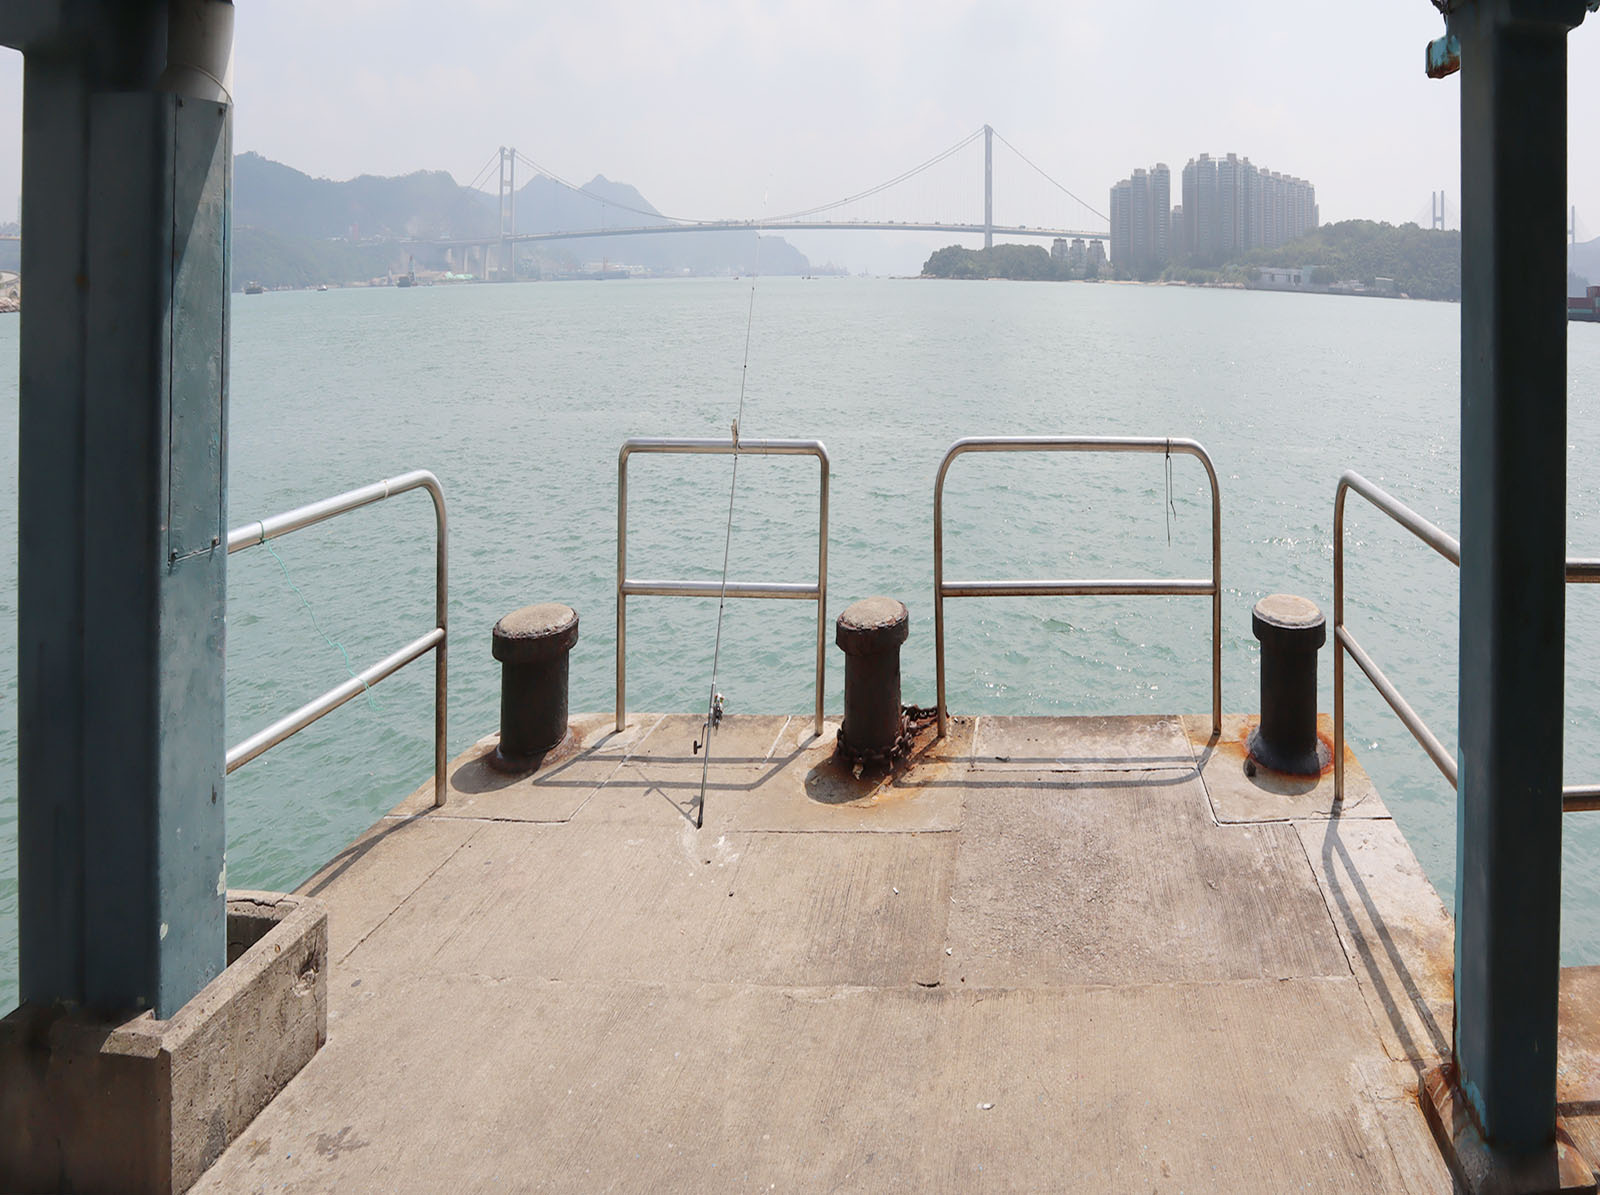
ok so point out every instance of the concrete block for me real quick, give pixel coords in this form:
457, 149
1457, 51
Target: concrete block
1112, 743
143, 1105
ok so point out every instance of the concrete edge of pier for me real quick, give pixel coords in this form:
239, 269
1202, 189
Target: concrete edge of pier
95, 1104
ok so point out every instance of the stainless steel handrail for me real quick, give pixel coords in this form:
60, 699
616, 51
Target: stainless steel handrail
627, 586
436, 640
1213, 587
1574, 798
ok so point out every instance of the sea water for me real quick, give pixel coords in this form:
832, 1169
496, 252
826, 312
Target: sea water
519, 398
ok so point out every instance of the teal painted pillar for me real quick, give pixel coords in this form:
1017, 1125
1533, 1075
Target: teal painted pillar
127, 178
1513, 64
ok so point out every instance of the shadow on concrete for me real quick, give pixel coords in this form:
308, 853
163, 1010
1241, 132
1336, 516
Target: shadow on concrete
1346, 890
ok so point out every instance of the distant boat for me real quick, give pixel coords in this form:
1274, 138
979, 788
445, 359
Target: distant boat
322, 288
253, 288
405, 280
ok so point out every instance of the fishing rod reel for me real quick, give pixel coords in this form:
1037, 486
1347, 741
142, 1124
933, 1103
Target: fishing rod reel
713, 720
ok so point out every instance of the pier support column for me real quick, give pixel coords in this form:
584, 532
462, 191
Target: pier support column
127, 179
1513, 67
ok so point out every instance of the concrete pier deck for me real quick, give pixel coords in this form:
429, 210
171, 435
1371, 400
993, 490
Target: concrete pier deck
1055, 954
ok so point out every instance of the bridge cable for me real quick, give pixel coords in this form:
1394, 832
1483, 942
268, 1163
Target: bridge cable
1050, 180
464, 194
883, 186
638, 211
483, 172
714, 703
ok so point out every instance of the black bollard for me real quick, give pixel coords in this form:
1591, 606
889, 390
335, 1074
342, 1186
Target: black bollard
1291, 630
870, 633
532, 645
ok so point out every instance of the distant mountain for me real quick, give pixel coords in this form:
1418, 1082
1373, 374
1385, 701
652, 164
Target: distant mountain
292, 229
544, 205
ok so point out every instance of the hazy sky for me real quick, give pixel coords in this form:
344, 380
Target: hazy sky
718, 109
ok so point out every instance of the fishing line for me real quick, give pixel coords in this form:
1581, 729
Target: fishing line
372, 702
1172, 511
714, 702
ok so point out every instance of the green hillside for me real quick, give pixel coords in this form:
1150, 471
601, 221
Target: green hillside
1026, 263
275, 260
1424, 263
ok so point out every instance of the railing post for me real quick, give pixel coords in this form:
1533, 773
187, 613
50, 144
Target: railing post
436, 641
622, 598
822, 587
441, 656
1211, 587
727, 589
1513, 59
1338, 644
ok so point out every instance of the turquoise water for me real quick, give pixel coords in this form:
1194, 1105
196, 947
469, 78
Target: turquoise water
519, 397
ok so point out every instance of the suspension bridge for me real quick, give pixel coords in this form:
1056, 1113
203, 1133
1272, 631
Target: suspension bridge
1064, 216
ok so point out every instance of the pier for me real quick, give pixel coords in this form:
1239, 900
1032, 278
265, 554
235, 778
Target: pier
1050, 953
1101, 953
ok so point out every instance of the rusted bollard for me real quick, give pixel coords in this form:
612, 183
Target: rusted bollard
1291, 630
532, 645
870, 633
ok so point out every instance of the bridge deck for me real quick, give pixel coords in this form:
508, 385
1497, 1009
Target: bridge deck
1056, 953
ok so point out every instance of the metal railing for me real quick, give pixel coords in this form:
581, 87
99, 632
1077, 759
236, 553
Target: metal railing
1213, 587
627, 586
251, 534
1574, 798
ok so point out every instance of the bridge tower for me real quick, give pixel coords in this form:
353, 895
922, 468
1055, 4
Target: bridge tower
988, 187
508, 214
1438, 211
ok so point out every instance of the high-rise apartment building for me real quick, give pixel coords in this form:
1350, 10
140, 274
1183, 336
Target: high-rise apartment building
1161, 214
1207, 233
1250, 195
1141, 220
1121, 225
1229, 179
1231, 206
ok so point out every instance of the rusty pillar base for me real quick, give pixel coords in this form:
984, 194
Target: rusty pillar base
520, 764
1478, 1167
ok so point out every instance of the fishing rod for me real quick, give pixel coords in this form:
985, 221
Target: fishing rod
714, 702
